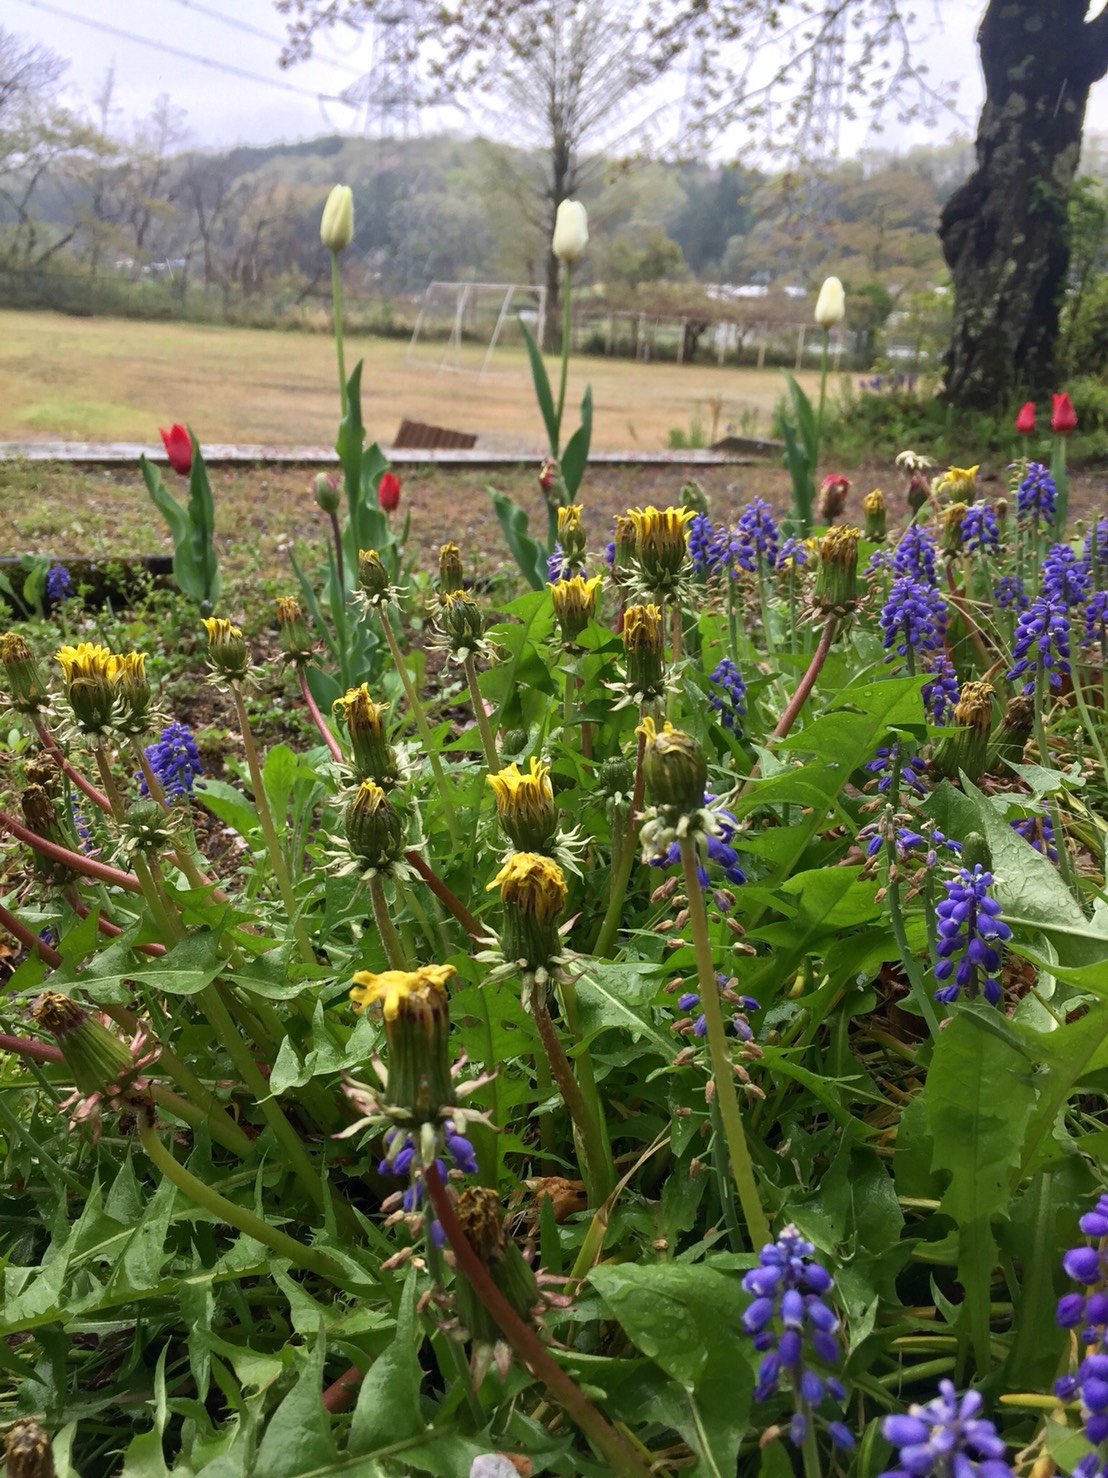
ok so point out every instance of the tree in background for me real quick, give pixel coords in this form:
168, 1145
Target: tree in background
1004, 232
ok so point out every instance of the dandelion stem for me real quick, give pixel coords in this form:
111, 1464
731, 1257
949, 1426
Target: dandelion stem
97, 797
101, 871
742, 1168
447, 898
808, 681
585, 1121
107, 779
620, 874
394, 950
424, 729
623, 1461
488, 743
317, 718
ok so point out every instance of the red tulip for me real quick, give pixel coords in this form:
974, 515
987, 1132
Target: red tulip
1025, 421
832, 496
1063, 418
546, 474
388, 491
178, 448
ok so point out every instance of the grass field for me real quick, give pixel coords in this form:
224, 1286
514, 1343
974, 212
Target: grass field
118, 380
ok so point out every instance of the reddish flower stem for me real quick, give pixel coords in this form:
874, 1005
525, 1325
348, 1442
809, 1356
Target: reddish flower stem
448, 899
113, 931
29, 1047
28, 938
76, 860
317, 718
97, 797
808, 681
340, 1394
621, 1458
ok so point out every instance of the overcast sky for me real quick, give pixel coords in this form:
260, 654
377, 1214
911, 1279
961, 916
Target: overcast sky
268, 105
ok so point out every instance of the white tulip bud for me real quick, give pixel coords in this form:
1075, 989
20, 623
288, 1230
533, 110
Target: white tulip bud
831, 304
336, 229
571, 231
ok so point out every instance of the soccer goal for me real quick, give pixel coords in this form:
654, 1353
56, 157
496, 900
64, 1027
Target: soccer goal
467, 319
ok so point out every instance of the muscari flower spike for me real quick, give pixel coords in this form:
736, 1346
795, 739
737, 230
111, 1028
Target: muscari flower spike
913, 618
1038, 831
702, 544
1036, 494
941, 692
915, 554
1009, 594
1041, 644
557, 566
175, 761
913, 770
970, 930
980, 530
756, 537
1094, 554
59, 587
713, 846
796, 1327
1087, 1312
945, 1437
730, 701
1065, 579
690, 1001
1096, 619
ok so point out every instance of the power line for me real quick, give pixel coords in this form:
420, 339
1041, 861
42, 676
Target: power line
188, 56
248, 30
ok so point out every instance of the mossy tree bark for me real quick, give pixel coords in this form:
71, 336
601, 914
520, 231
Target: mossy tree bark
1004, 231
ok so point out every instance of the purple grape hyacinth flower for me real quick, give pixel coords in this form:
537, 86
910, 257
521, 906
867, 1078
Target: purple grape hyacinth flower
59, 587
730, 704
1009, 594
1065, 580
690, 1001
1096, 619
942, 691
970, 930
979, 528
913, 770
913, 618
1087, 1312
946, 1438
1041, 644
1036, 494
701, 536
557, 566
796, 1330
756, 536
915, 554
175, 761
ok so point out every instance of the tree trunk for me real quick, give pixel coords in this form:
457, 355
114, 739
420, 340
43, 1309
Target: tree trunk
1004, 232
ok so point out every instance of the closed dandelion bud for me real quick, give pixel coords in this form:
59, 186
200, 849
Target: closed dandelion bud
571, 533
644, 646
617, 778
371, 755
1010, 736
41, 816
515, 741
373, 578
674, 767
574, 605
836, 589
292, 628
27, 1451
1000, 509
416, 1013
87, 675
94, 1055
450, 567
873, 509
975, 850
623, 546
533, 892
26, 681
463, 622
132, 691
326, 491
227, 652
525, 806
693, 497
967, 748
482, 1220
374, 828
953, 516
145, 827
661, 544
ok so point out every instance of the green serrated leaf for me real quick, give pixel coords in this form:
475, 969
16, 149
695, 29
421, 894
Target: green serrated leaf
298, 1438
388, 1402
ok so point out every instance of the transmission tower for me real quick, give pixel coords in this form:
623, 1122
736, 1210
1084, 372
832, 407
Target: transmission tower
388, 96
825, 115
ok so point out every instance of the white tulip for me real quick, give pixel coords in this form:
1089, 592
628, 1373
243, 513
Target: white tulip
337, 226
571, 231
831, 304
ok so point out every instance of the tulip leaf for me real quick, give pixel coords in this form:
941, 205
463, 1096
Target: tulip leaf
529, 554
201, 512
576, 455
542, 389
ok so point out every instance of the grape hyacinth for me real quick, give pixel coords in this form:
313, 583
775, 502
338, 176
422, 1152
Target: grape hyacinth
915, 554
175, 760
401, 1157
1009, 594
941, 692
702, 534
945, 1437
1035, 495
1039, 832
906, 841
557, 566
1087, 1312
1065, 580
690, 1001
59, 587
1096, 619
979, 528
970, 929
1094, 555
913, 770
913, 618
794, 553
756, 537
1042, 644
717, 848
794, 1326
731, 703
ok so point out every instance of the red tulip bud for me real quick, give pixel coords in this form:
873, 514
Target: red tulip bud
1025, 421
832, 496
178, 448
546, 474
1063, 417
388, 491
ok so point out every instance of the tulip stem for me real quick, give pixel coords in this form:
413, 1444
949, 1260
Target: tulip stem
336, 314
822, 393
567, 293
424, 728
723, 1073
